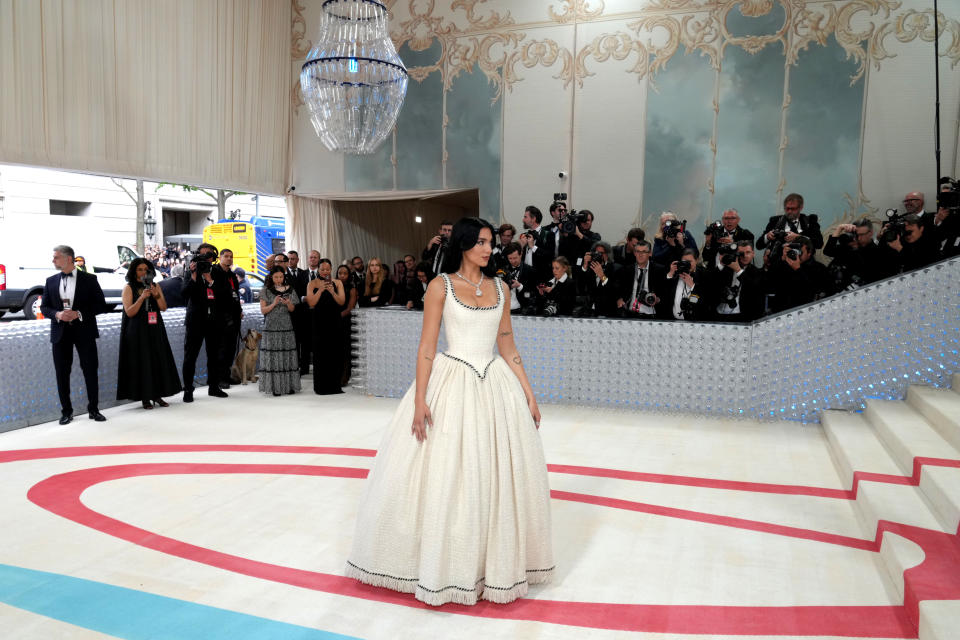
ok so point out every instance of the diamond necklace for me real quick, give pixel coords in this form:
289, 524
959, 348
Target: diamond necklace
478, 290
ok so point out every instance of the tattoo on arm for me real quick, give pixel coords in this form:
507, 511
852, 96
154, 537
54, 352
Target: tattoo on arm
505, 333
516, 359
428, 358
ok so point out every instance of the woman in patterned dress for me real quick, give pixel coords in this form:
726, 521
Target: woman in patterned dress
279, 366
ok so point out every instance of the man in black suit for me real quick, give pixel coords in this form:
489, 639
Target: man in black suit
794, 223
727, 232
681, 289
293, 270
207, 293
437, 247
914, 248
301, 315
857, 259
520, 278
357, 273
595, 277
537, 244
72, 299
735, 292
638, 285
231, 314
623, 253
797, 280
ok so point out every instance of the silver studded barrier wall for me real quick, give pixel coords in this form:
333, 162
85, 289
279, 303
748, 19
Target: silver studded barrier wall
28, 386
869, 343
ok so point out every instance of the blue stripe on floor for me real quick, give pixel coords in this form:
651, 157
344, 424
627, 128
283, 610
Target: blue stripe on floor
137, 615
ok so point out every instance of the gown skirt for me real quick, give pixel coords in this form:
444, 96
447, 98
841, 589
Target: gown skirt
464, 515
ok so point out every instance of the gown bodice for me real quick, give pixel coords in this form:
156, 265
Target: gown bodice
471, 331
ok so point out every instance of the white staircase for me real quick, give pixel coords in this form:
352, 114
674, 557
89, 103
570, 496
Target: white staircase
889, 447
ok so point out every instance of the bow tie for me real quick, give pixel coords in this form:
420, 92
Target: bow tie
66, 275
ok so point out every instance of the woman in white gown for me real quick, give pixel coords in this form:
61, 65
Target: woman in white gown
457, 505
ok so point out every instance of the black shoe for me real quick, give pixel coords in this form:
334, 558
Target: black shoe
276, 394
226, 385
66, 419
96, 416
188, 396
216, 393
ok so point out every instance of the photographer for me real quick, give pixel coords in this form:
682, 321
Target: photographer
680, 300
232, 312
946, 222
423, 276
505, 235
905, 244
733, 293
797, 279
790, 226
725, 232
533, 242
557, 296
623, 253
595, 279
209, 302
637, 285
437, 247
576, 237
857, 259
520, 278
672, 240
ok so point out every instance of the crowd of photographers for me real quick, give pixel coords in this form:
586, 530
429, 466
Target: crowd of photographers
564, 268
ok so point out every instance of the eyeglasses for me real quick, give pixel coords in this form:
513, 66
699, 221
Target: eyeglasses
906, 200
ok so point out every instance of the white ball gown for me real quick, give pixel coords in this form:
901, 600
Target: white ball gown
464, 515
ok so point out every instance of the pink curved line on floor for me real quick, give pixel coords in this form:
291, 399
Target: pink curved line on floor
19, 455
60, 494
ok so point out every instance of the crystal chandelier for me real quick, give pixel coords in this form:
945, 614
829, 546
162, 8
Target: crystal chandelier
353, 81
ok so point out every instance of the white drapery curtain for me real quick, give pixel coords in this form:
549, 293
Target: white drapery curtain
191, 91
341, 229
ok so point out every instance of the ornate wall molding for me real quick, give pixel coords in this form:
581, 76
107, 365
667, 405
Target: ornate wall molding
299, 44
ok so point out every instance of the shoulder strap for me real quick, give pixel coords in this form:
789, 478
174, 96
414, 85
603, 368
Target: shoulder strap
446, 279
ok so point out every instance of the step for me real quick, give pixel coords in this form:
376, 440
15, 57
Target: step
939, 619
855, 447
898, 555
906, 433
901, 503
941, 408
955, 382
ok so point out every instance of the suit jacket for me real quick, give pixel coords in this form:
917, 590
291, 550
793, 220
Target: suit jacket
809, 227
752, 293
87, 300
200, 309
603, 297
656, 282
525, 275
565, 295
300, 277
669, 291
546, 248
430, 256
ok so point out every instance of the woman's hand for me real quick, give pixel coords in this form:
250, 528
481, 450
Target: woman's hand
155, 291
146, 293
534, 411
421, 420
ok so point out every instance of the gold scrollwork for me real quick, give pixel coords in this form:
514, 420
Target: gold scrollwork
470, 51
576, 11
494, 21
539, 52
753, 44
296, 97
299, 45
618, 46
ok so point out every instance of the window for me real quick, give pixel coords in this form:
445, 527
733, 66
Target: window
69, 208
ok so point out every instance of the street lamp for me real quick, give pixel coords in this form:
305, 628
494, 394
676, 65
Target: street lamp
149, 223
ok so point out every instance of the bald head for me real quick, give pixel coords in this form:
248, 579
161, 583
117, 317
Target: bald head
913, 202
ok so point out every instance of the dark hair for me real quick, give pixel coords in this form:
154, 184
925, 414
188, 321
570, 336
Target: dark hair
510, 248
355, 258
225, 249
644, 243
464, 237
446, 223
535, 213
426, 268
793, 197
132, 270
326, 261
240, 273
337, 273
269, 283
866, 222
293, 252
507, 227
410, 255
637, 233
804, 241
745, 243
587, 212
207, 245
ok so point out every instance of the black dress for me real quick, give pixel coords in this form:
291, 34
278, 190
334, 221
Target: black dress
346, 335
146, 369
327, 346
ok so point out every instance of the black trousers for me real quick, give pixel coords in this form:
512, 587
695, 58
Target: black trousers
302, 321
227, 352
63, 362
197, 334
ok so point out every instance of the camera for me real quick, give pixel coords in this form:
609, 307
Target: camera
715, 230
560, 197
204, 263
730, 295
689, 304
727, 253
646, 297
673, 228
570, 220
895, 227
949, 199
793, 250
845, 238
147, 279
683, 267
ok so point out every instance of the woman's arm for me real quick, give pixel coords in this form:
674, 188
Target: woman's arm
264, 307
508, 351
313, 292
351, 304
130, 306
426, 352
337, 292
161, 299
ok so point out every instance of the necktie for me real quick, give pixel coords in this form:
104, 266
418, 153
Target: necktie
793, 226
313, 275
